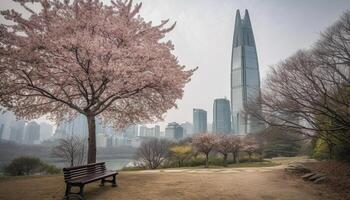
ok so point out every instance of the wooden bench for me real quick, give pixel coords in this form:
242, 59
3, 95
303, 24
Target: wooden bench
80, 175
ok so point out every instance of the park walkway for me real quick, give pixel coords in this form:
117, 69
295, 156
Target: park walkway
178, 184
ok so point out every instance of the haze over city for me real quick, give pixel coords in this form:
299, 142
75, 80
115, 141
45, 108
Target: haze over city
203, 38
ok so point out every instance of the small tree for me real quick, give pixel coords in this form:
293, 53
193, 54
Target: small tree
236, 145
85, 57
224, 146
205, 143
153, 152
181, 153
72, 150
250, 146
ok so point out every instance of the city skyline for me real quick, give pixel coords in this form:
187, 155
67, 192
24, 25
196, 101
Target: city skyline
197, 21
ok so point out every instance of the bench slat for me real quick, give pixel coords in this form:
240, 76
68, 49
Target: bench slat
82, 166
92, 178
84, 171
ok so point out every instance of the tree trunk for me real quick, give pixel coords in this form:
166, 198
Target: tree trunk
225, 160
91, 139
206, 160
234, 157
237, 156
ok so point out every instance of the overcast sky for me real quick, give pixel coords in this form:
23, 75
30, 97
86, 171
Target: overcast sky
204, 31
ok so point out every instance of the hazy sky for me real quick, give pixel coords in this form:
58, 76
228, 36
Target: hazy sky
204, 31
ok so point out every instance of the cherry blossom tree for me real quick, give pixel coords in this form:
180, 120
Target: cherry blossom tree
223, 146
85, 57
236, 145
204, 143
250, 146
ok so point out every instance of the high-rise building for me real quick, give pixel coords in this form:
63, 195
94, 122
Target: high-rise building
17, 131
174, 131
101, 140
221, 116
77, 126
245, 79
45, 131
199, 121
131, 131
150, 132
188, 129
32, 133
6, 119
157, 131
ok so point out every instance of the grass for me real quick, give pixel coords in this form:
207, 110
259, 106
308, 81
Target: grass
264, 163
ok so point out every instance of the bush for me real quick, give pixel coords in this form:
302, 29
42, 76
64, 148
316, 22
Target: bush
50, 169
28, 166
320, 151
341, 151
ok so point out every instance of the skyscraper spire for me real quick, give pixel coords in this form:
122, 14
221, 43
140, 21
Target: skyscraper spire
237, 36
245, 79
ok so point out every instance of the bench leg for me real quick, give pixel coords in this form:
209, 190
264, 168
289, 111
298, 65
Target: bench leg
66, 194
102, 182
114, 182
81, 192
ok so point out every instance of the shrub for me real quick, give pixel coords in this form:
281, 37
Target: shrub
28, 166
153, 152
50, 169
320, 150
23, 166
181, 153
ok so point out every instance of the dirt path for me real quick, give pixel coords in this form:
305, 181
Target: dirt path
214, 184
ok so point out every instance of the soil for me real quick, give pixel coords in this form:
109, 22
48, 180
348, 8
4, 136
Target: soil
268, 183
338, 174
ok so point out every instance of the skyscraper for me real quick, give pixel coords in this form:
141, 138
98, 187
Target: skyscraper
221, 116
45, 131
17, 131
245, 79
32, 133
199, 121
174, 131
131, 131
188, 129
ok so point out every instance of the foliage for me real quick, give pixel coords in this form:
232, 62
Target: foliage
89, 58
28, 166
340, 151
320, 150
280, 142
152, 152
50, 169
181, 153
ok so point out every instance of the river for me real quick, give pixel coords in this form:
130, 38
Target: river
112, 164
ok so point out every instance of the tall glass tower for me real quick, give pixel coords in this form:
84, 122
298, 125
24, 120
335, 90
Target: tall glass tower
245, 79
221, 116
199, 121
